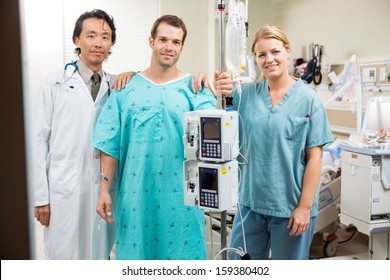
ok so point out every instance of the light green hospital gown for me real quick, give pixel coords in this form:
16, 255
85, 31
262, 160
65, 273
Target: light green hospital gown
142, 127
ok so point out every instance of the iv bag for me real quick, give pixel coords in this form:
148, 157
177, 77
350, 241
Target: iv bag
235, 47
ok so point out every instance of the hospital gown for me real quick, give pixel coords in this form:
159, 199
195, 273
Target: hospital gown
141, 126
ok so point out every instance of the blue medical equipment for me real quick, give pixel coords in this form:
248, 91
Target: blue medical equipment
76, 68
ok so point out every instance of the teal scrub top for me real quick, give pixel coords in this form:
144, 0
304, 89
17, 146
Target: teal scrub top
142, 127
273, 140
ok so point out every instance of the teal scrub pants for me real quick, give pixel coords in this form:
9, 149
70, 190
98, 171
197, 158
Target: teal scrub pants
267, 237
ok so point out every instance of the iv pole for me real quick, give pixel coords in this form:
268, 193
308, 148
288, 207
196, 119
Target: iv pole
221, 104
221, 100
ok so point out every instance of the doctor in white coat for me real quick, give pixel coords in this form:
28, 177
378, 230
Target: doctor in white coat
66, 166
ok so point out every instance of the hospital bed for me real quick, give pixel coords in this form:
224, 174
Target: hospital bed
329, 232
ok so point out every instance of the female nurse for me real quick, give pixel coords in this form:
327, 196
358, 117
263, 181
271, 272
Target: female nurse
283, 129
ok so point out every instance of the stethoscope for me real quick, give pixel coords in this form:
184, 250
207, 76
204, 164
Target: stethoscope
66, 79
76, 68
317, 75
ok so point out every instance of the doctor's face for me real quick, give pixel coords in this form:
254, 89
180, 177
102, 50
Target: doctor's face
167, 45
94, 42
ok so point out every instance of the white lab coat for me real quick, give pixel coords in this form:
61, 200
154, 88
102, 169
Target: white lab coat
67, 168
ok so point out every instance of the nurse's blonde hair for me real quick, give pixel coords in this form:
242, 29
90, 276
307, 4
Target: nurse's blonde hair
270, 32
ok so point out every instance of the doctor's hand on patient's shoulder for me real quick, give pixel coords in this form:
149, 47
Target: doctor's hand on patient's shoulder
223, 83
199, 80
122, 79
42, 214
104, 205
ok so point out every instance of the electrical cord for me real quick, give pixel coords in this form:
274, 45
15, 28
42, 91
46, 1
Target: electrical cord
238, 251
242, 252
242, 227
243, 138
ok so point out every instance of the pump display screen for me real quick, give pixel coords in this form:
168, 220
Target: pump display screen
208, 186
211, 137
211, 129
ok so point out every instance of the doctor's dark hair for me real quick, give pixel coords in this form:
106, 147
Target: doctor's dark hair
99, 14
171, 20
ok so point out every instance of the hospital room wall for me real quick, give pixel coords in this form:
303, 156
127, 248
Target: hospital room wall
344, 27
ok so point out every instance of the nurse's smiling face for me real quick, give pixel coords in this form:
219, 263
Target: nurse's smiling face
272, 57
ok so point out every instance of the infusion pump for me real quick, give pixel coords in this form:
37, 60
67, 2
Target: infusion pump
211, 172
211, 135
211, 186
